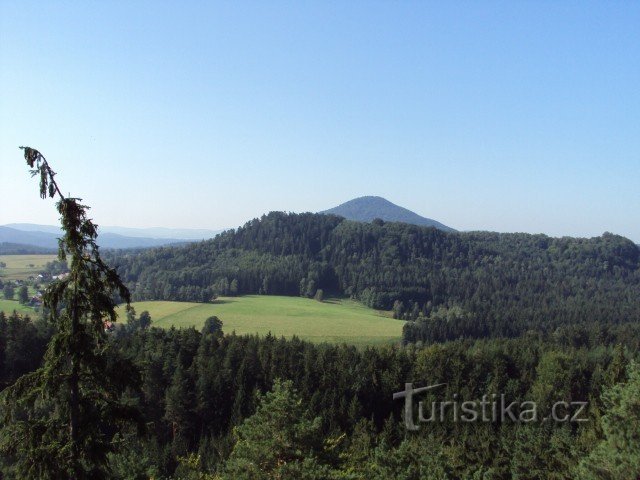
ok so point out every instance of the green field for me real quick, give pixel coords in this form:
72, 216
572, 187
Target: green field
20, 267
333, 320
8, 306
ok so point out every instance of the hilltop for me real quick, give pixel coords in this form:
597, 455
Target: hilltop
366, 209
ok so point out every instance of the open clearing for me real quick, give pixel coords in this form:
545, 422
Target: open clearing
334, 320
8, 306
20, 267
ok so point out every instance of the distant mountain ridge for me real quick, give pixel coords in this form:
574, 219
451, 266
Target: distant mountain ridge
7, 248
46, 236
179, 234
368, 208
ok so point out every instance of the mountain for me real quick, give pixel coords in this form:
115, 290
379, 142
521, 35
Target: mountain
173, 234
23, 249
37, 239
33, 227
160, 232
46, 236
366, 209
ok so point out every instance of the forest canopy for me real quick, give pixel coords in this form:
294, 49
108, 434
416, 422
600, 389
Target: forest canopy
448, 284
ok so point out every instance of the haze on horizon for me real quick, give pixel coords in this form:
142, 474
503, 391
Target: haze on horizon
484, 116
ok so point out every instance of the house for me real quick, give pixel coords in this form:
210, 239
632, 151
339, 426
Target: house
36, 301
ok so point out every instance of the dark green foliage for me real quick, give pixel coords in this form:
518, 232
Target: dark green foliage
278, 440
59, 421
450, 285
8, 248
198, 386
617, 456
23, 294
180, 411
145, 320
137, 323
8, 290
342, 386
212, 326
22, 346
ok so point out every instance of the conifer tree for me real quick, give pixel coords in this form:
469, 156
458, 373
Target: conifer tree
8, 291
23, 295
617, 457
60, 420
279, 441
180, 410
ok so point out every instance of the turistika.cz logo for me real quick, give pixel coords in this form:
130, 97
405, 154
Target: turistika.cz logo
491, 408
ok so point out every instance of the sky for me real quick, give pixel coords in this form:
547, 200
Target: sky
505, 116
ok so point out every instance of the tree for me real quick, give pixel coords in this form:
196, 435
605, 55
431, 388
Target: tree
132, 321
23, 294
135, 323
212, 325
180, 410
311, 288
233, 288
617, 457
319, 296
278, 441
144, 320
398, 309
60, 420
8, 291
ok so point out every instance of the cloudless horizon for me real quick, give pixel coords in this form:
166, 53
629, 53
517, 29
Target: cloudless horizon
501, 116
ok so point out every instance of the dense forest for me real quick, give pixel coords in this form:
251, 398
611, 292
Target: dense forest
449, 285
244, 407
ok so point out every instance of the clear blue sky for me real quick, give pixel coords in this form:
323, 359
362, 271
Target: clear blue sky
507, 116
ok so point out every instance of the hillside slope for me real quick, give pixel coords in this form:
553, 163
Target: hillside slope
366, 209
474, 284
47, 239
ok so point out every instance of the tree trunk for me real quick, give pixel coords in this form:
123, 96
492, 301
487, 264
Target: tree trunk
74, 386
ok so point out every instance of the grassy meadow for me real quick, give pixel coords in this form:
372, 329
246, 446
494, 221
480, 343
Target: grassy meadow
8, 306
20, 267
333, 321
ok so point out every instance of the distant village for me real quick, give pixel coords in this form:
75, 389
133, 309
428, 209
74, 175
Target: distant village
40, 280
29, 291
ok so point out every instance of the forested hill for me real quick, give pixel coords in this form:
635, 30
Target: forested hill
454, 285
